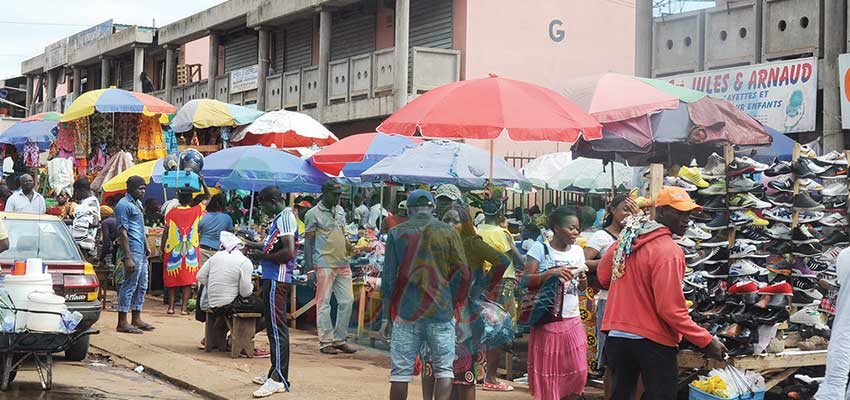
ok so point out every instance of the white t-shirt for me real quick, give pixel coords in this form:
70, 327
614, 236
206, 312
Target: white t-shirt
601, 241
573, 257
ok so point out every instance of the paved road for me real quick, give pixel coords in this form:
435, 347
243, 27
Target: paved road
97, 378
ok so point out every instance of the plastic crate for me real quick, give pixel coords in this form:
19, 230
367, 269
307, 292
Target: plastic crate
696, 394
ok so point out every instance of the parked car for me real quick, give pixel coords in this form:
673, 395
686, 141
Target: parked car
48, 238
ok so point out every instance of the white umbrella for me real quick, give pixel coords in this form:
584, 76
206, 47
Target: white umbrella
590, 175
540, 170
284, 129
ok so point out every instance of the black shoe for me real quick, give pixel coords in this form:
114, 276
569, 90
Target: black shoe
346, 348
701, 216
804, 235
779, 247
802, 298
720, 221
801, 283
772, 317
837, 238
779, 168
835, 202
834, 172
783, 184
736, 168
778, 302
720, 270
804, 202
752, 236
817, 264
715, 203
330, 350
802, 170
807, 250
781, 199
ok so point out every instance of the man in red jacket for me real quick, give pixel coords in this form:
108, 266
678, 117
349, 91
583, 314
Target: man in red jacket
646, 315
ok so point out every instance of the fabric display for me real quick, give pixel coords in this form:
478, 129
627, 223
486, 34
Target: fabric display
749, 266
170, 139
116, 164
126, 132
65, 140
101, 128
60, 174
151, 141
30, 153
82, 137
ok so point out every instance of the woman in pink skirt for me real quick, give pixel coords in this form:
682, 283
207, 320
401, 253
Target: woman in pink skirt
557, 349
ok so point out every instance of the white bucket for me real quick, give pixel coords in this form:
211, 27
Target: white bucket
45, 312
34, 267
20, 287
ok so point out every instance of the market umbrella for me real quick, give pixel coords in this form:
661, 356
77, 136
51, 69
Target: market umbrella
114, 100
118, 183
354, 154
37, 128
255, 167
589, 175
440, 161
206, 113
284, 129
543, 168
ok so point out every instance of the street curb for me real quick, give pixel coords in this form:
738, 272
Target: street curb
160, 375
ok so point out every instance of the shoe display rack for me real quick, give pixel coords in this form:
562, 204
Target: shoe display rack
761, 256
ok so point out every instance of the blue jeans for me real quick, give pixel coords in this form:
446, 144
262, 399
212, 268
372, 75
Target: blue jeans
131, 293
407, 340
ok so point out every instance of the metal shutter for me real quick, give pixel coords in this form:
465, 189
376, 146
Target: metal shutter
277, 51
125, 81
298, 47
240, 49
352, 33
430, 26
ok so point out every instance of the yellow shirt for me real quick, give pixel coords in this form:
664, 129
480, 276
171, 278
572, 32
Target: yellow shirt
496, 237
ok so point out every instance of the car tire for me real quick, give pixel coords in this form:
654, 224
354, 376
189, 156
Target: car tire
79, 350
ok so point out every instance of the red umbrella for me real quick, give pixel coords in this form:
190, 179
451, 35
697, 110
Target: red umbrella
354, 154
483, 108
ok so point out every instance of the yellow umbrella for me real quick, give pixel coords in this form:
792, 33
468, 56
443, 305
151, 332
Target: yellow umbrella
119, 182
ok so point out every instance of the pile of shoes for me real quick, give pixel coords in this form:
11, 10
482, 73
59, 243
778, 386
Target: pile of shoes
747, 266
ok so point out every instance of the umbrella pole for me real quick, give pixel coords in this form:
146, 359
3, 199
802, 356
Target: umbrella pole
251, 211
491, 160
613, 185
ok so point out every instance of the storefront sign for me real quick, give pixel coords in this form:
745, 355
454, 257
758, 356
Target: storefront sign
56, 54
844, 76
781, 95
244, 79
88, 36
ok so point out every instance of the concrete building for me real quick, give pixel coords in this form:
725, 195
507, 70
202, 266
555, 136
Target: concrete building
705, 48
351, 63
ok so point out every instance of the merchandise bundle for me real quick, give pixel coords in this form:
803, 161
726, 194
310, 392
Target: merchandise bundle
762, 252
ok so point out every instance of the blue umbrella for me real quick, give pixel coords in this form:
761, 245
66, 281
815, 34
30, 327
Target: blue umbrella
255, 167
781, 147
39, 128
437, 162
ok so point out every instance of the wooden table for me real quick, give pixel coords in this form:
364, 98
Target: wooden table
293, 303
774, 367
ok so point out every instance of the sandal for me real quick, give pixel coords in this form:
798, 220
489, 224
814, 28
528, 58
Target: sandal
131, 329
497, 387
145, 327
170, 312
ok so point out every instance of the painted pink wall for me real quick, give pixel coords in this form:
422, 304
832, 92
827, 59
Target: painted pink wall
511, 39
198, 52
384, 27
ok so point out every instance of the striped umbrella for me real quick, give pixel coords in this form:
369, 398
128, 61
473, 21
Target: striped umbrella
37, 128
354, 154
206, 113
115, 100
284, 129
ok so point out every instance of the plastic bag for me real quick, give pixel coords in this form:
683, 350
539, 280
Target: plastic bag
497, 323
734, 382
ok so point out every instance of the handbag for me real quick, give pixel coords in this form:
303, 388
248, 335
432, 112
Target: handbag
544, 304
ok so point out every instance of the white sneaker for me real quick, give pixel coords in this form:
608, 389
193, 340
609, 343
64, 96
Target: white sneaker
260, 380
696, 232
809, 316
269, 388
744, 268
839, 189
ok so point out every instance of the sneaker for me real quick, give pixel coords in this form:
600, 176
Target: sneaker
346, 348
746, 250
756, 220
833, 157
838, 189
804, 202
826, 306
752, 236
837, 238
715, 203
696, 232
835, 203
779, 232
783, 184
715, 189
269, 388
779, 247
702, 256
715, 167
757, 166
679, 182
747, 200
260, 380
804, 235
801, 270
743, 287
701, 215
801, 283
817, 264
744, 268
741, 184
809, 185
806, 297
262, 353
834, 173
685, 241
690, 252
802, 169
806, 151
737, 168
720, 270
693, 175
697, 280
807, 250
781, 199
720, 239
779, 288
739, 218
778, 265
834, 219
809, 316
779, 214
779, 168
720, 221
807, 217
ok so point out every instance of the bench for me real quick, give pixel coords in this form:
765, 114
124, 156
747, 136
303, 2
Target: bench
242, 326
215, 333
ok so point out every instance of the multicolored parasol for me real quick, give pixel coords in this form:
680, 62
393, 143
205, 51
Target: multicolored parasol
354, 154
284, 129
114, 100
206, 113
37, 128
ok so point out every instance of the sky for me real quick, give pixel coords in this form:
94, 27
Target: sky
26, 29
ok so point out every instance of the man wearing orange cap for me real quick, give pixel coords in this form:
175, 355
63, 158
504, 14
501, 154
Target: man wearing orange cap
646, 315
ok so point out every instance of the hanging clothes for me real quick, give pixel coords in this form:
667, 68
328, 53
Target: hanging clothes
127, 132
60, 174
82, 145
82, 166
101, 128
31, 154
151, 141
65, 140
170, 139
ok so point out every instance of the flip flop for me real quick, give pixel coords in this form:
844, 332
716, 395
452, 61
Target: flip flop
146, 327
170, 312
497, 387
132, 329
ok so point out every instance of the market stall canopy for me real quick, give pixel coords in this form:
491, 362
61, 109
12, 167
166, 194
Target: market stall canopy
543, 168
207, 113
114, 100
37, 128
256, 167
354, 154
589, 175
154, 190
440, 161
484, 108
284, 129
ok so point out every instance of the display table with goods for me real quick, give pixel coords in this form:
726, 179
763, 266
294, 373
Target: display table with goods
761, 258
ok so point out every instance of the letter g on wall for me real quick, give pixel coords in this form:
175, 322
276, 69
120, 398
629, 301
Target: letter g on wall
555, 32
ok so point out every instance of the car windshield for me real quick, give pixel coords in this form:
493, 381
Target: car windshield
48, 240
